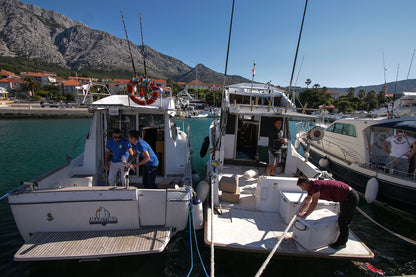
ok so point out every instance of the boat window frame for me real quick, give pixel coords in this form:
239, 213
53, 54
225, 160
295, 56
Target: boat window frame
342, 129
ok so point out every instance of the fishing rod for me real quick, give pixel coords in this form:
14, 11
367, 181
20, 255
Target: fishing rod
128, 43
144, 58
297, 47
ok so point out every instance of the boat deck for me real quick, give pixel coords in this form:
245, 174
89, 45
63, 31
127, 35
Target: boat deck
93, 244
244, 228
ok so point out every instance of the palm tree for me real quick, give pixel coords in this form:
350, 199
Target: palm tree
30, 86
308, 82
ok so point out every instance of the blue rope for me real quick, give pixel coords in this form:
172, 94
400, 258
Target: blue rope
190, 232
192, 225
197, 249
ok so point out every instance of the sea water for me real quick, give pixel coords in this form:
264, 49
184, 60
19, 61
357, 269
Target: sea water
30, 147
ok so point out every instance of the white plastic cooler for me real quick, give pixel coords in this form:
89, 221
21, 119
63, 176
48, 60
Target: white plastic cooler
317, 230
290, 204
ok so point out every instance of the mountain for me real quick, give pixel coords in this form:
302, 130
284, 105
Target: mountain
400, 86
206, 75
34, 33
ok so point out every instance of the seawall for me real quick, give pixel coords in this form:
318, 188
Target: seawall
35, 110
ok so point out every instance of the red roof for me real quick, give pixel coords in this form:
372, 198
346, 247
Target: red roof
35, 74
71, 83
12, 80
197, 82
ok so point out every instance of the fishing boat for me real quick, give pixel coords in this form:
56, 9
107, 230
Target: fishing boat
351, 149
249, 210
4, 99
71, 212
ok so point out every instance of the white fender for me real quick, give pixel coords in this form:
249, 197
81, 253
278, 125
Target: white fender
202, 190
297, 143
195, 178
324, 162
251, 173
197, 214
371, 190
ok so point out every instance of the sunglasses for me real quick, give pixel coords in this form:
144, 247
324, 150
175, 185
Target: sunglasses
114, 137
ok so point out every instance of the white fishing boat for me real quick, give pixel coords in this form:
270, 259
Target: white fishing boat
71, 212
4, 99
351, 149
250, 211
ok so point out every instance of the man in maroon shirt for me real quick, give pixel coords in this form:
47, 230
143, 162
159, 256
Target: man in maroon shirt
330, 190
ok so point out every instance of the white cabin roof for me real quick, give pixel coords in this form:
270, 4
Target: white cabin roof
165, 103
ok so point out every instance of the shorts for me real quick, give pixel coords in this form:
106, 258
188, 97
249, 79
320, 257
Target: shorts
275, 157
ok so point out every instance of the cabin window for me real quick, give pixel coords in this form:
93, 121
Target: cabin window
344, 129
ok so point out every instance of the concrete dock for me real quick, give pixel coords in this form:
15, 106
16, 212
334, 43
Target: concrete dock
29, 110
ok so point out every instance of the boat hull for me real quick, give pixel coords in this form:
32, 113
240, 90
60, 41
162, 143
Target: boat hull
390, 191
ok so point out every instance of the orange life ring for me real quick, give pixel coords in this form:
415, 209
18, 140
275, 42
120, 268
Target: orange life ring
143, 98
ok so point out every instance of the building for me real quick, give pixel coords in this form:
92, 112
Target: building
42, 78
195, 84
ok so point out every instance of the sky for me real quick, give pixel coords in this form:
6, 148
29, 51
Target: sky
344, 43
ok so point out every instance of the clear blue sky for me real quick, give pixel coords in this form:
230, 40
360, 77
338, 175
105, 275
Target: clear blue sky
342, 42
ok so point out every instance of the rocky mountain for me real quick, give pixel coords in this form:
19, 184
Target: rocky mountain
206, 75
31, 32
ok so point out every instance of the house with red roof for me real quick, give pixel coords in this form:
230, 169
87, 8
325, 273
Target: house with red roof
42, 78
196, 84
12, 83
70, 85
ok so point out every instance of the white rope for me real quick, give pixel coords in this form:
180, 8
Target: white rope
384, 228
266, 262
212, 228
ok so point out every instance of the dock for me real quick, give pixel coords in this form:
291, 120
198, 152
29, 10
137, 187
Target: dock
34, 110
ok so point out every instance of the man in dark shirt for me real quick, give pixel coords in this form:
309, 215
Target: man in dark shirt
275, 144
330, 190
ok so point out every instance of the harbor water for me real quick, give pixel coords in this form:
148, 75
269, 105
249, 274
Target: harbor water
30, 147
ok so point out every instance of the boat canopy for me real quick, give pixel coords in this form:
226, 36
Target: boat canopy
406, 125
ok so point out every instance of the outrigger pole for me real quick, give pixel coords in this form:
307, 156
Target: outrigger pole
297, 47
128, 43
144, 59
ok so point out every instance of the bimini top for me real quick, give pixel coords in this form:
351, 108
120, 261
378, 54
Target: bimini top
406, 125
162, 103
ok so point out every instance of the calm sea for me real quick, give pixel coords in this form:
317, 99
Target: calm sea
29, 147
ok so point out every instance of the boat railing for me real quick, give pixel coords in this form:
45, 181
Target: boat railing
390, 171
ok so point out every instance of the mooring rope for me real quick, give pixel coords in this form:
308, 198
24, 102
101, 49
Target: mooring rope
269, 257
191, 224
5, 196
386, 229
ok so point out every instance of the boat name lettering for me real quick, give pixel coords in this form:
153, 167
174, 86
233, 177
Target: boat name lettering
102, 216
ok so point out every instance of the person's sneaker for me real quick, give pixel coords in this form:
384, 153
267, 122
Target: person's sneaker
337, 245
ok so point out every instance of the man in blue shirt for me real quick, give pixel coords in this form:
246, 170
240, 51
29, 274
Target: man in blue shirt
150, 161
121, 149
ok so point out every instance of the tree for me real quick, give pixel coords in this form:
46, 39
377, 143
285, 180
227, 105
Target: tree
361, 94
315, 97
351, 93
308, 82
30, 86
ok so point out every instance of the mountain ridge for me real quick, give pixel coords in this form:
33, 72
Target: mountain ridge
32, 32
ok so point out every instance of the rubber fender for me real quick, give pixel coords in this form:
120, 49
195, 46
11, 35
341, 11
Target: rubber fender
202, 190
297, 143
198, 214
371, 190
324, 162
251, 173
